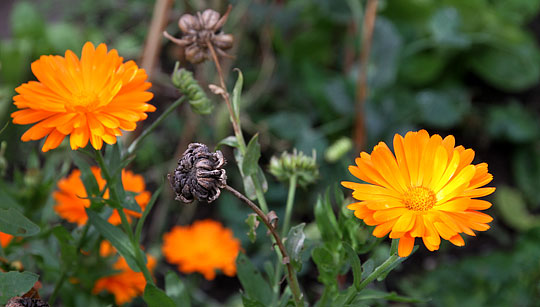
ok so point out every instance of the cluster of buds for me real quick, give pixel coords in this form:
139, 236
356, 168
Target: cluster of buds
184, 81
199, 175
295, 164
202, 32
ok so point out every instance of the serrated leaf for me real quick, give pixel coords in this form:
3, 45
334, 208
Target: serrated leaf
253, 222
155, 297
116, 236
177, 290
14, 223
251, 158
295, 245
355, 264
15, 284
237, 95
255, 286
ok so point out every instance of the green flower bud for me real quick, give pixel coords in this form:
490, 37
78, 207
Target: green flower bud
295, 163
338, 149
184, 81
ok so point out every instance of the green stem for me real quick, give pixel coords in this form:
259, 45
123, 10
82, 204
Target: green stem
381, 269
63, 275
147, 131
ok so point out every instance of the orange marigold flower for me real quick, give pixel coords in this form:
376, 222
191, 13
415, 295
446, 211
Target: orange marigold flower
89, 99
426, 190
71, 194
126, 284
202, 247
5, 239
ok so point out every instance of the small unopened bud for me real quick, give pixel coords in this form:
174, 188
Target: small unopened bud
184, 81
296, 163
18, 301
199, 175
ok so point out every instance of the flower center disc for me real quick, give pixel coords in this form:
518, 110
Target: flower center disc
419, 199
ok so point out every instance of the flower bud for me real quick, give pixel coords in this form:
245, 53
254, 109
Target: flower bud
295, 163
199, 175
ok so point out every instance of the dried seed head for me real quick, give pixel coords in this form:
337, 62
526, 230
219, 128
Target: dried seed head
26, 302
200, 30
199, 175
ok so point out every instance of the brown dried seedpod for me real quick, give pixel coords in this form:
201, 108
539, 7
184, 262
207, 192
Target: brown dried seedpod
201, 30
199, 175
26, 302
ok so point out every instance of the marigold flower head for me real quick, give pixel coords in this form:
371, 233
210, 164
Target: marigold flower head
126, 284
427, 190
202, 247
89, 99
5, 239
71, 194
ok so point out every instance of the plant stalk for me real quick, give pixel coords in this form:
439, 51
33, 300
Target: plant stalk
293, 281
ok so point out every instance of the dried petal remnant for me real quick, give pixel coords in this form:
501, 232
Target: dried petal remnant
201, 30
199, 175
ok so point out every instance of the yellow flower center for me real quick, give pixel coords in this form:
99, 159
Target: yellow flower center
85, 101
419, 199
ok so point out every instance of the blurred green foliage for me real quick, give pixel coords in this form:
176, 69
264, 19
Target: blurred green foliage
465, 67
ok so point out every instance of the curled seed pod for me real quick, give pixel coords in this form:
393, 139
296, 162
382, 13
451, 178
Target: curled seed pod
18, 301
295, 163
184, 81
201, 30
199, 175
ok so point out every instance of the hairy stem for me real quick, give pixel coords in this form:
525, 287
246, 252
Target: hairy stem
147, 131
293, 281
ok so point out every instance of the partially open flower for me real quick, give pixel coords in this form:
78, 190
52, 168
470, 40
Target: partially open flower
201, 30
199, 175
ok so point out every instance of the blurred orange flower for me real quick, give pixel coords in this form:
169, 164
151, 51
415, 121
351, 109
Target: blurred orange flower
5, 239
71, 194
89, 99
126, 284
202, 247
426, 191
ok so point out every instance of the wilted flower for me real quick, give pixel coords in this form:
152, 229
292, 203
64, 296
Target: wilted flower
201, 30
296, 163
204, 247
89, 99
71, 196
199, 175
426, 191
26, 302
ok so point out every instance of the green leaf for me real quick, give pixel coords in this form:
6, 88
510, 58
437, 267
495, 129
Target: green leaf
326, 219
113, 158
64, 36
512, 122
513, 209
116, 236
177, 290
248, 302
444, 26
26, 21
87, 177
295, 245
155, 297
355, 264
509, 65
149, 206
367, 268
251, 158
526, 171
252, 222
15, 284
68, 248
229, 141
326, 265
14, 223
255, 286
443, 108
237, 95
